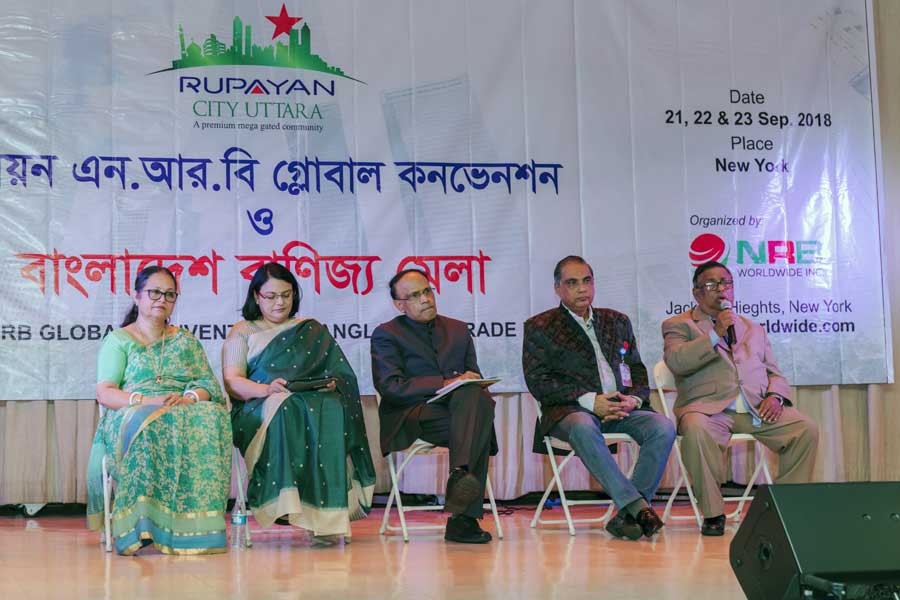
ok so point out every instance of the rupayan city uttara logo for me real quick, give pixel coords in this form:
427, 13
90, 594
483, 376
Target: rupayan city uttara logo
236, 96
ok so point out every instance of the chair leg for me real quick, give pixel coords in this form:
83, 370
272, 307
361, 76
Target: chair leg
679, 482
540, 506
563, 501
241, 499
765, 464
107, 518
683, 480
760, 464
390, 502
490, 493
395, 492
608, 514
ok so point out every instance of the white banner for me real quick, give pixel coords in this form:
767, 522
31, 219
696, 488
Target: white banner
480, 141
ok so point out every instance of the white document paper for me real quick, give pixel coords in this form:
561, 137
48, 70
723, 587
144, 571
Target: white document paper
461, 382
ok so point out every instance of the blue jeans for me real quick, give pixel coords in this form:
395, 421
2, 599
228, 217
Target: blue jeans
653, 432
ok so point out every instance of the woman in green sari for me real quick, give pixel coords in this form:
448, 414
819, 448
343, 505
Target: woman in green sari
165, 432
296, 414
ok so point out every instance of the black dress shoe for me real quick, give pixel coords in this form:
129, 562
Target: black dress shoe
713, 526
623, 525
649, 521
466, 530
463, 489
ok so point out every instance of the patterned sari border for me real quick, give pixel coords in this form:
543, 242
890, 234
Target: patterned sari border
169, 543
318, 520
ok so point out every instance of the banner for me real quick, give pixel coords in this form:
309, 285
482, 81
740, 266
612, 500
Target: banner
479, 142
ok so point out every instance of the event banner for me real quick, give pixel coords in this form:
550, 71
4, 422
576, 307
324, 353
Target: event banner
480, 142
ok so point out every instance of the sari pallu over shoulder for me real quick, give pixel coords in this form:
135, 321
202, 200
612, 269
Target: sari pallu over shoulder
134, 420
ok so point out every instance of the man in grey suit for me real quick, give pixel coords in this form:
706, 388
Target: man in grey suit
728, 382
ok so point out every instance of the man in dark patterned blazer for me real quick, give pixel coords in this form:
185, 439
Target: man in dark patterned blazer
583, 366
413, 356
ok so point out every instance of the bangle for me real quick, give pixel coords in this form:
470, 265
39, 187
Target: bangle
135, 398
192, 394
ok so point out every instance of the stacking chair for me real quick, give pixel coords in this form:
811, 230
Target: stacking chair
552, 443
665, 387
106, 538
421, 447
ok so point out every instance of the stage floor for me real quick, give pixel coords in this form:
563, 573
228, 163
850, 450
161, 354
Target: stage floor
56, 557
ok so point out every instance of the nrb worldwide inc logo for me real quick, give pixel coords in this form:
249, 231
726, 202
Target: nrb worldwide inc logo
791, 256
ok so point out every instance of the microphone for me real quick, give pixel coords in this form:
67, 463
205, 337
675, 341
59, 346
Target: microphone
730, 336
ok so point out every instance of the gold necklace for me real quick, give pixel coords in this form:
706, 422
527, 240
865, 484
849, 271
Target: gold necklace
159, 360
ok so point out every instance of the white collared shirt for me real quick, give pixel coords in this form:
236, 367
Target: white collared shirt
607, 377
739, 405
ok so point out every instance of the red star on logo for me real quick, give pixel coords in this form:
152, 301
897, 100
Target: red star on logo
283, 22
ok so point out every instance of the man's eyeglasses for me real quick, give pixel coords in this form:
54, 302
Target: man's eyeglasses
711, 286
155, 294
271, 297
416, 296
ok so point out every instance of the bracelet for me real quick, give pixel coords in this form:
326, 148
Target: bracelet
135, 398
192, 394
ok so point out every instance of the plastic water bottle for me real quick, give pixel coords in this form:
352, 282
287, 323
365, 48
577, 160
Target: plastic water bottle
239, 529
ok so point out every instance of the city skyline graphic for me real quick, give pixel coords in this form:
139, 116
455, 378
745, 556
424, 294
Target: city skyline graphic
296, 54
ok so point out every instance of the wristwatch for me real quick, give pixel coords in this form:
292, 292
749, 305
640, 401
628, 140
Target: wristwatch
778, 397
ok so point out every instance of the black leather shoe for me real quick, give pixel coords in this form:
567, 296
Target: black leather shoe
713, 526
462, 490
649, 521
466, 530
623, 525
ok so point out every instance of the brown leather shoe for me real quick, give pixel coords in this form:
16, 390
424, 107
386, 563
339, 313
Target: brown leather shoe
623, 525
649, 521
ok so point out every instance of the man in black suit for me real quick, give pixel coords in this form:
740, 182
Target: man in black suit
413, 356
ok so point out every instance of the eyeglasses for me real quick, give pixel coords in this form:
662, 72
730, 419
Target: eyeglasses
711, 286
416, 296
272, 297
155, 294
574, 283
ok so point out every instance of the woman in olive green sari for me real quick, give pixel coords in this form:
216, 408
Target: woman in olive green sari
165, 433
296, 414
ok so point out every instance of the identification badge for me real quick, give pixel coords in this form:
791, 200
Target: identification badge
624, 369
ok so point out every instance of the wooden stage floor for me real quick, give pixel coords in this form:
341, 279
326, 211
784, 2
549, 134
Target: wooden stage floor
56, 557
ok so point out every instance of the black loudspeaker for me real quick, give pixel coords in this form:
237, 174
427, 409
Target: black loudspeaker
820, 540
